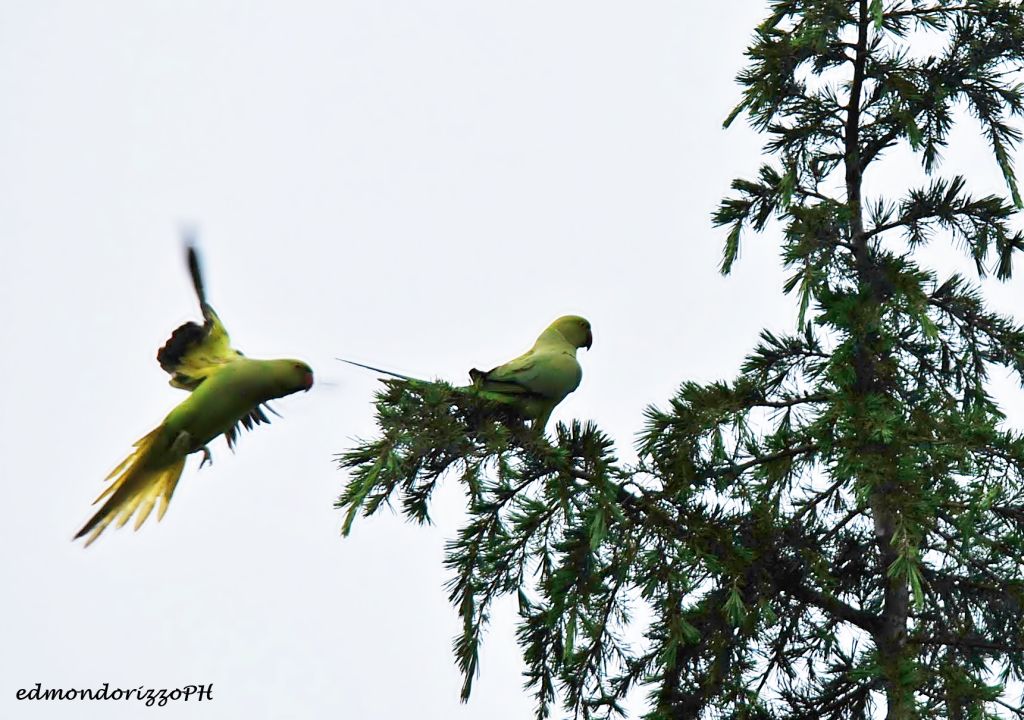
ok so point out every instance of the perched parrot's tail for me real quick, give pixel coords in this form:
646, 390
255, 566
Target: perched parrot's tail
506, 393
138, 483
400, 376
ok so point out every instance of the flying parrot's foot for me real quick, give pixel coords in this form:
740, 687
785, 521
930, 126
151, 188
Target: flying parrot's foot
207, 457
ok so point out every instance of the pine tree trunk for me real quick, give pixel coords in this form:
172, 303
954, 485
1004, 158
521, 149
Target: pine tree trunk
890, 638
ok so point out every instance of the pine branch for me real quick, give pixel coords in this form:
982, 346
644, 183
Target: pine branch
735, 469
972, 642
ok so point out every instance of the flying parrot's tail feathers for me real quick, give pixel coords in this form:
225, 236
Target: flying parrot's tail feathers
400, 376
137, 484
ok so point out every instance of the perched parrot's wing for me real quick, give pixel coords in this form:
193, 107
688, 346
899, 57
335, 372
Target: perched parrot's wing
194, 351
513, 377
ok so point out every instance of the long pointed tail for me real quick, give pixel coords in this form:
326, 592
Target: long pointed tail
505, 393
137, 484
382, 371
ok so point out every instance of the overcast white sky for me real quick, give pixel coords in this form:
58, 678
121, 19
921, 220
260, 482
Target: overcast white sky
420, 185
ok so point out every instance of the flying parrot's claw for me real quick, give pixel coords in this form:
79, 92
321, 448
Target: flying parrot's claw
207, 457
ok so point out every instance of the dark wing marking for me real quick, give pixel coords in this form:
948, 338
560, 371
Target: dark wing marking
255, 417
194, 351
497, 380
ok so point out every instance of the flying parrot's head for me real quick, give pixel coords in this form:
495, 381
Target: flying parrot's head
292, 376
575, 330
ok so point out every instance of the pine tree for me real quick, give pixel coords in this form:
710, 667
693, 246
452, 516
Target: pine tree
837, 532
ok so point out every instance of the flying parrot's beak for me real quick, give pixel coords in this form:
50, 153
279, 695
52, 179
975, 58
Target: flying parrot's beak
307, 381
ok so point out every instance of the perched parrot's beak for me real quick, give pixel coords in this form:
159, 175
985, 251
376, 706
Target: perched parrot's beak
590, 339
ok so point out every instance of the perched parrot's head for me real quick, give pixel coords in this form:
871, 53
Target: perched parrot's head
292, 376
575, 329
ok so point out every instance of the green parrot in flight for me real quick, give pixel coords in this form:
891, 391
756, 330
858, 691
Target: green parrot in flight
227, 392
536, 381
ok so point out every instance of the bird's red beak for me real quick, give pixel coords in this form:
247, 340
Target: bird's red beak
307, 381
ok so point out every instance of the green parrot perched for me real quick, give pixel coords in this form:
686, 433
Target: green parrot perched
536, 381
227, 391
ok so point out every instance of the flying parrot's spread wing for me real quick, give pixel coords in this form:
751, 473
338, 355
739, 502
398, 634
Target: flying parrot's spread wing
195, 351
